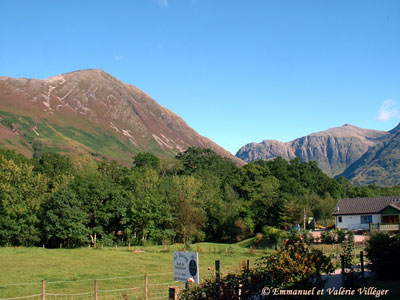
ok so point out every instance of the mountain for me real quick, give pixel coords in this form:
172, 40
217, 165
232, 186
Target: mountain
379, 165
334, 149
90, 112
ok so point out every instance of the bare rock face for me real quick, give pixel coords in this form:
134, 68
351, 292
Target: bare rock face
380, 164
334, 149
90, 111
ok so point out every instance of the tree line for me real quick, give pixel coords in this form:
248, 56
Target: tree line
55, 201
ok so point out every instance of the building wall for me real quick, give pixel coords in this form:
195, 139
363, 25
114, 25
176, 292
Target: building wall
353, 222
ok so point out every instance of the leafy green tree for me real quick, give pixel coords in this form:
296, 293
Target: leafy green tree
113, 170
22, 193
204, 162
64, 220
37, 148
149, 211
266, 206
58, 168
248, 178
106, 204
146, 160
191, 219
17, 158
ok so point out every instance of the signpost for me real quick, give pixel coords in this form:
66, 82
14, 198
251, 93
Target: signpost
186, 266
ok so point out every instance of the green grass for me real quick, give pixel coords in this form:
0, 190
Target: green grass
32, 265
69, 271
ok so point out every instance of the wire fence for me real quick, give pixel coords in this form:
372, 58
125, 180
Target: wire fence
137, 287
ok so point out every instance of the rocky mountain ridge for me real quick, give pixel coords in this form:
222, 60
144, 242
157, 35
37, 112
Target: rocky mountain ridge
91, 112
334, 149
380, 164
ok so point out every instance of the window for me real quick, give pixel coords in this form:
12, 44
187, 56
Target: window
393, 219
366, 219
340, 219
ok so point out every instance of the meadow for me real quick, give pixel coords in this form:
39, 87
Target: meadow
69, 271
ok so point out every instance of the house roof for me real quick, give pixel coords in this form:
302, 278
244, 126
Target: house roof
356, 206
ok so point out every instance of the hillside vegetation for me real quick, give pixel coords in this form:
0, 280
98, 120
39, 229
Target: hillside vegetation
91, 113
197, 196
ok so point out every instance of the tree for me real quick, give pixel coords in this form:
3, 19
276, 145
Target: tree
64, 220
146, 160
58, 168
150, 211
191, 218
266, 206
22, 193
106, 204
202, 162
37, 148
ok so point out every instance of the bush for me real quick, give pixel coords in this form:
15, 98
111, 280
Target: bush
294, 265
307, 237
341, 235
347, 249
328, 237
271, 234
383, 250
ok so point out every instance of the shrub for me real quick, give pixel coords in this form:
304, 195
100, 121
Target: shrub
383, 250
259, 237
308, 237
347, 249
341, 235
294, 265
271, 235
327, 237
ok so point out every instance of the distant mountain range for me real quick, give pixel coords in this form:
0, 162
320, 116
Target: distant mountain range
90, 112
364, 156
380, 164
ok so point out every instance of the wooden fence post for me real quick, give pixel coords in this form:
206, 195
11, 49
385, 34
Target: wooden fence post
44, 290
362, 265
343, 271
172, 293
217, 270
218, 276
96, 287
248, 265
146, 286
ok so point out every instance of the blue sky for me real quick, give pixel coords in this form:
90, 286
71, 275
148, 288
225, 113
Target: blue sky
235, 71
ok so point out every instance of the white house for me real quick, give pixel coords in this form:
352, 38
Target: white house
368, 213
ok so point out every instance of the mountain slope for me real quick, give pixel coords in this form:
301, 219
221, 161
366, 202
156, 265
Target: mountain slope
380, 165
91, 112
334, 149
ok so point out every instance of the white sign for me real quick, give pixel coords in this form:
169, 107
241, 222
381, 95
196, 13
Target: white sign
186, 266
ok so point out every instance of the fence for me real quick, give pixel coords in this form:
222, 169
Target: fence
139, 287
384, 227
143, 287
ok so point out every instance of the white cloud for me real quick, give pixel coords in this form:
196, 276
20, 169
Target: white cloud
118, 57
387, 111
163, 3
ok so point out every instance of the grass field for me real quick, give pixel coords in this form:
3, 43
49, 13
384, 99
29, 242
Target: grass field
74, 270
